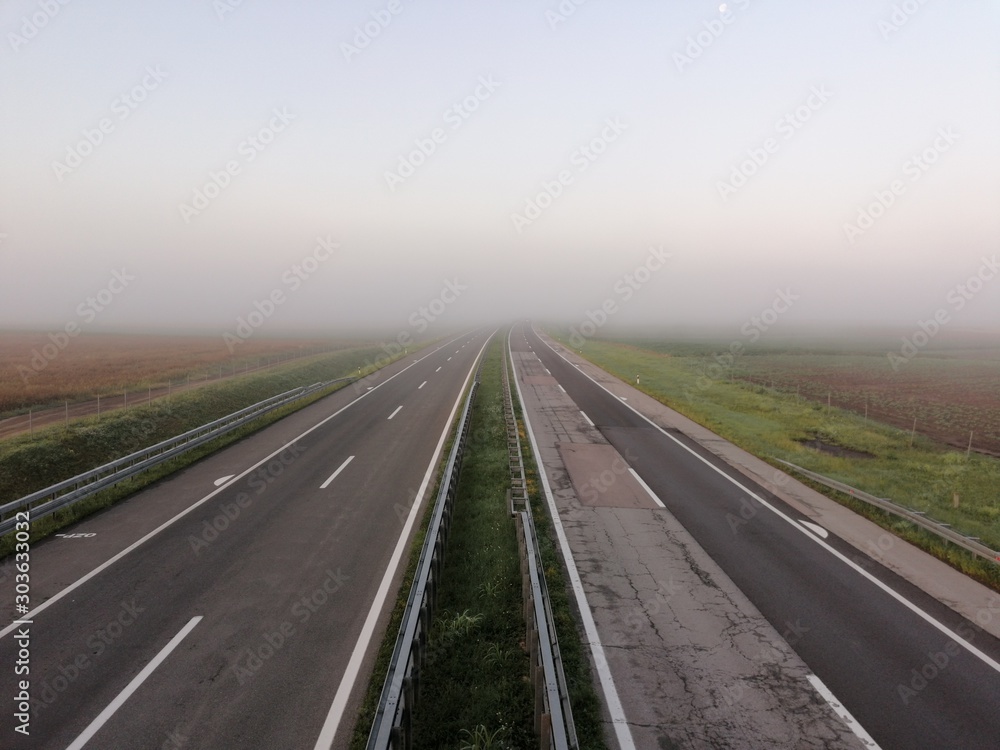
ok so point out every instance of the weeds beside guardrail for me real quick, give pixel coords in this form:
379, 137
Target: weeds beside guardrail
393, 723
943, 530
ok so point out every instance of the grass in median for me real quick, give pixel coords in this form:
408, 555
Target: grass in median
474, 686
873, 457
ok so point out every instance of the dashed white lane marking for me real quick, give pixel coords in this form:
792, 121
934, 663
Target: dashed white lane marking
334, 475
589, 420
125, 694
438, 370
396, 411
449, 359
646, 487
815, 529
561, 388
843, 713
333, 717
191, 508
421, 385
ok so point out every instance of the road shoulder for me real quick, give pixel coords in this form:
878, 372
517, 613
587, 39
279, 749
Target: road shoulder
966, 597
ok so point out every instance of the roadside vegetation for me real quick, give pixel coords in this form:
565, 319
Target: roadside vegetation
32, 462
950, 486
474, 684
39, 370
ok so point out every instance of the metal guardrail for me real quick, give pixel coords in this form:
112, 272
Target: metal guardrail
72, 490
554, 724
917, 517
392, 726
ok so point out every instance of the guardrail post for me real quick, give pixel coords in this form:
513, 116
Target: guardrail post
538, 680
545, 733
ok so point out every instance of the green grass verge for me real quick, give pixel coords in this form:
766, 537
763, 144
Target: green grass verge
771, 424
474, 685
31, 462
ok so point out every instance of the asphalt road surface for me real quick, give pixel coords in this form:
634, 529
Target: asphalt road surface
233, 604
910, 670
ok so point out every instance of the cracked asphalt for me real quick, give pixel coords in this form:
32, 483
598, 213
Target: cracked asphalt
716, 615
696, 665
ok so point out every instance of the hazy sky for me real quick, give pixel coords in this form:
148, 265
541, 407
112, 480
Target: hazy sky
755, 142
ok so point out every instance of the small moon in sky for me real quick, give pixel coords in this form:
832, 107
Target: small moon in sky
722, 8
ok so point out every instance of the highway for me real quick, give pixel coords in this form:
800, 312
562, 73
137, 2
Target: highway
237, 603
911, 671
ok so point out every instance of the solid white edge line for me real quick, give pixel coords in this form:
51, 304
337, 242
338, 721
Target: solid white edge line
336, 712
395, 412
125, 694
622, 731
646, 487
421, 385
112, 560
842, 712
589, 420
992, 663
334, 475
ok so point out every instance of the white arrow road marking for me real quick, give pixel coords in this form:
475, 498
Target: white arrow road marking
817, 530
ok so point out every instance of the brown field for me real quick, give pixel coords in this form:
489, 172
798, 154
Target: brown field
949, 393
34, 372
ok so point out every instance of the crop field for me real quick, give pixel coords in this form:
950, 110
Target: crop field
38, 370
773, 403
948, 396
950, 391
